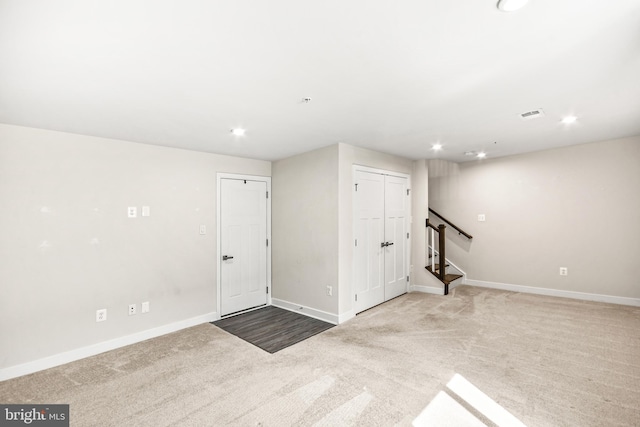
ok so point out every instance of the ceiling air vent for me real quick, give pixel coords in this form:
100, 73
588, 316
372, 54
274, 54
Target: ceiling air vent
530, 115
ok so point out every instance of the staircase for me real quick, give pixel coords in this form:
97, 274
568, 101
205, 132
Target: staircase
437, 263
451, 274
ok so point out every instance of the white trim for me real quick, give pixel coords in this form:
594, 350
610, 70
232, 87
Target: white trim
556, 293
307, 311
346, 316
355, 168
426, 289
267, 180
92, 350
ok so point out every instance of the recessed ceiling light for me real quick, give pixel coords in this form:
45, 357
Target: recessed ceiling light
436, 147
481, 155
238, 131
569, 119
511, 5
470, 153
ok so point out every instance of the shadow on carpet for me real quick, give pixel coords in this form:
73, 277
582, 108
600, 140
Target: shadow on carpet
272, 328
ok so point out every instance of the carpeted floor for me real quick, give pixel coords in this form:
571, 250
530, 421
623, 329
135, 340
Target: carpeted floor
443, 360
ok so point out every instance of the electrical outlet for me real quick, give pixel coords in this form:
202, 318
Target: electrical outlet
101, 315
144, 308
329, 290
132, 309
132, 212
564, 271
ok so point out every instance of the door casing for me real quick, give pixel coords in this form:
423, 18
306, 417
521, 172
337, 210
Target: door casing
356, 168
220, 177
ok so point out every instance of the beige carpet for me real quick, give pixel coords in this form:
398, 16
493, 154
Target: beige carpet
441, 360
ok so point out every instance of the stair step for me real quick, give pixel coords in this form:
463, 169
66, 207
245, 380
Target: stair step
428, 267
448, 278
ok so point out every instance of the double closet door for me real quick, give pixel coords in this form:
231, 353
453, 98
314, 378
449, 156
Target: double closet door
381, 226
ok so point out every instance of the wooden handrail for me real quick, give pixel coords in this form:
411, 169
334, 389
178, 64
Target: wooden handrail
455, 227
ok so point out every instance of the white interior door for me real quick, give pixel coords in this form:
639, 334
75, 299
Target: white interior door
396, 209
243, 245
381, 221
369, 231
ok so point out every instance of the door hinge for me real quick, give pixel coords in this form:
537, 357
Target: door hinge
408, 191
356, 242
356, 297
407, 278
356, 187
267, 289
407, 235
267, 242
267, 194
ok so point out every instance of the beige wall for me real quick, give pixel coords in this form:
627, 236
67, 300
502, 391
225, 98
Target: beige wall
68, 248
574, 207
305, 229
349, 156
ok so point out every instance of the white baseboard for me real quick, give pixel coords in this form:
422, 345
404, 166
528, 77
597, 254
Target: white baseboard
346, 316
556, 292
307, 311
92, 350
426, 289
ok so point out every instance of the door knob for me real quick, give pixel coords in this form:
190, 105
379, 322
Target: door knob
226, 257
385, 244
389, 244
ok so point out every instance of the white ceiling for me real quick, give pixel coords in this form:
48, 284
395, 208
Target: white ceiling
393, 76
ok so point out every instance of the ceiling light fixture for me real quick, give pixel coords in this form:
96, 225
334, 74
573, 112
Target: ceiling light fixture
436, 147
238, 132
481, 155
569, 120
511, 5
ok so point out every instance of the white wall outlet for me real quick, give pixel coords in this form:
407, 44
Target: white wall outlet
101, 315
132, 212
144, 308
481, 217
564, 271
329, 290
146, 211
203, 229
132, 309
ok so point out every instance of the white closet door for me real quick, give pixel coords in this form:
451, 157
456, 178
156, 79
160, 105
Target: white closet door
396, 210
369, 232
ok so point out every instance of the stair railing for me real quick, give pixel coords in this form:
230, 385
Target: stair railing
455, 227
431, 243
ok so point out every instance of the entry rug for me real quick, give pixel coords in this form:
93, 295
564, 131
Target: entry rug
272, 328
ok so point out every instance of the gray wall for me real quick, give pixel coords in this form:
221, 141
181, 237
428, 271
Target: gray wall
576, 207
68, 248
305, 229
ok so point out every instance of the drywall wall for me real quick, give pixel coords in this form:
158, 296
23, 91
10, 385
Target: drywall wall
68, 247
305, 229
421, 279
349, 156
574, 207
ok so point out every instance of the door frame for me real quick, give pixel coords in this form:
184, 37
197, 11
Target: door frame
219, 177
354, 169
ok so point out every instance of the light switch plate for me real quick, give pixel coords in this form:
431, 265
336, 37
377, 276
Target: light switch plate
203, 229
146, 211
481, 217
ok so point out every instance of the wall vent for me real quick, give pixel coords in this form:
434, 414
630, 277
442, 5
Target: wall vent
533, 114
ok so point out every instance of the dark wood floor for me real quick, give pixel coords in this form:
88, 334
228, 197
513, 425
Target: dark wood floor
272, 328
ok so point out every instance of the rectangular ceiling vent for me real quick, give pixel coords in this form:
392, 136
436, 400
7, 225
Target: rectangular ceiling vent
530, 115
